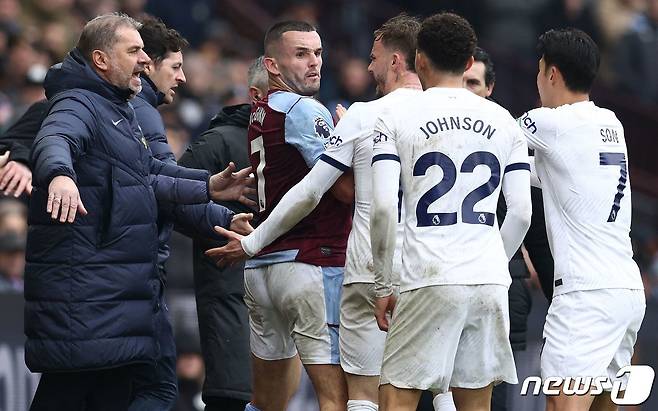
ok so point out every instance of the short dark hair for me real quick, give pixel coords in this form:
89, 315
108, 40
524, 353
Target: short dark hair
274, 33
159, 40
100, 33
400, 33
448, 40
484, 58
574, 53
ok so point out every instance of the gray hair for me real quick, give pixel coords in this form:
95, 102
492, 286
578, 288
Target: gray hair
257, 74
100, 33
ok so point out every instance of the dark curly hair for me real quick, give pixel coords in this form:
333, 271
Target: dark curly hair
448, 40
159, 40
574, 53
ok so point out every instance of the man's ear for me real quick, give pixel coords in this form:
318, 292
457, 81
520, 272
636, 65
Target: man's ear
490, 88
420, 62
469, 63
271, 66
100, 60
255, 94
553, 74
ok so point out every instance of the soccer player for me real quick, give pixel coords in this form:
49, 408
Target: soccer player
582, 164
361, 341
450, 149
292, 287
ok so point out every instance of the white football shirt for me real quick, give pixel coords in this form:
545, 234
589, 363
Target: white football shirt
454, 149
582, 164
351, 146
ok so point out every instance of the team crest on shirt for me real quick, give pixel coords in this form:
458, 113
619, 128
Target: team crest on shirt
322, 128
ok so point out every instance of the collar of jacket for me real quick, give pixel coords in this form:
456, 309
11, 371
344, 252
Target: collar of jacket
150, 92
237, 115
75, 72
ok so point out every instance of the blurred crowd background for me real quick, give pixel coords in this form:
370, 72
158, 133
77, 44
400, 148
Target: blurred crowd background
226, 35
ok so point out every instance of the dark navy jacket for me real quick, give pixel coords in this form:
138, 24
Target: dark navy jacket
91, 287
196, 220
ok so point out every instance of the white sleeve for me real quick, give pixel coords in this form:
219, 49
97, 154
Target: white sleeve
383, 210
516, 189
540, 128
296, 204
347, 133
534, 179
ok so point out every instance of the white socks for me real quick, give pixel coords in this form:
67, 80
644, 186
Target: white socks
361, 405
250, 407
443, 402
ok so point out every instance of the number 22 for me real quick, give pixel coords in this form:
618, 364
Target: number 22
469, 216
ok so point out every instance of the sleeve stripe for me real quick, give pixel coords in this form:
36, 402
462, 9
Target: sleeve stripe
333, 162
385, 157
517, 166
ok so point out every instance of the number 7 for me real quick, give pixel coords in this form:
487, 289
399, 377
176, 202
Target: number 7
258, 146
616, 159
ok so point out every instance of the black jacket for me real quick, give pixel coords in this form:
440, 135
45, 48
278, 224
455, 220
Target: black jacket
19, 137
196, 219
223, 319
91, 287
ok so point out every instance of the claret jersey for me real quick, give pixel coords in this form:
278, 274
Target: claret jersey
287, 134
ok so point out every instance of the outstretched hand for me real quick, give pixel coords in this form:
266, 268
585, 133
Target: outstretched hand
63, 195
384, 310
229, 185
229, 254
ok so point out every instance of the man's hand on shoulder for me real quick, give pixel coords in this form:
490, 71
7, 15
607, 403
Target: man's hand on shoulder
63, 195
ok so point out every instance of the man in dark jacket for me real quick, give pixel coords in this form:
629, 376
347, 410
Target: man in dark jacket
223, 319
91, 286
156, 389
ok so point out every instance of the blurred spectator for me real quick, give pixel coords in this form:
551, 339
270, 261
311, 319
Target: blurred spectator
189, 369
13, 217
12, 262
355, 84
13, 229
636, 56
580, 14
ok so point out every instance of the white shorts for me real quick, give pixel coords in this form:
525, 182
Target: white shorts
591, 333
449, 336
361, 340
294, 307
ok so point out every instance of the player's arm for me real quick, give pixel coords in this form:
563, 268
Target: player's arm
325, 174
516, 189
384, 207
296, 204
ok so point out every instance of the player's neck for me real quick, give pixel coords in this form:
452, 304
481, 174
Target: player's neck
443, 80
277, 83
570, 97
406, 80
